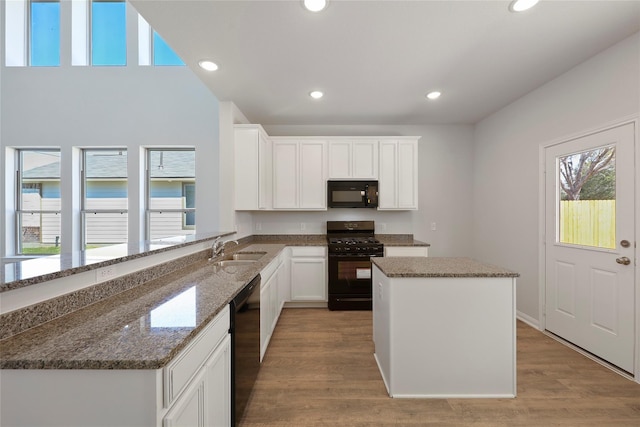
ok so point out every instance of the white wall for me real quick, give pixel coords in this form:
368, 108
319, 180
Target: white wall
130, 107
506, 170
445, 189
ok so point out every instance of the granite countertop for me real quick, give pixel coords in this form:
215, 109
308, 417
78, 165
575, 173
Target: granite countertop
143, 328
146, 326
17, 274
438, 267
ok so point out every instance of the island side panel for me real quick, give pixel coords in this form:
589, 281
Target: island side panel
382, 325
81, 397
452, 337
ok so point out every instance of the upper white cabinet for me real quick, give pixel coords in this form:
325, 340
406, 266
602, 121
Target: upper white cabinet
398, 182
253, 168
353, 159
299, 174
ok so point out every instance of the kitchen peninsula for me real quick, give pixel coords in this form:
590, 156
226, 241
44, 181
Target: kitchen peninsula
444, 327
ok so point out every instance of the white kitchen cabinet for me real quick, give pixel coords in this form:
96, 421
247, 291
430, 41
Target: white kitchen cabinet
394, 251
299, 174
269, 302
253, 168
189, 410
398, 182
194, 389
265, 316
353, 159
308, 273
217, 386
207, 399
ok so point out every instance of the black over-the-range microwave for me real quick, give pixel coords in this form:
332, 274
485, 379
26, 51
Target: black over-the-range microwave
352, 194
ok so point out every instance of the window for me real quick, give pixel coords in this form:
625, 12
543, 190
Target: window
171, 190
152, 49
162, 53
108, 32
587, 211
44, 33
104, 197
38, 209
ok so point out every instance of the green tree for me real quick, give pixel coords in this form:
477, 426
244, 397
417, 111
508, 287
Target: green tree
601, 186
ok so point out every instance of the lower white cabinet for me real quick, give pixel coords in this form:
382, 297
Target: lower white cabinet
308, 273
200, 390
270, 304
391, 251
207, 400
189, 409
217, 386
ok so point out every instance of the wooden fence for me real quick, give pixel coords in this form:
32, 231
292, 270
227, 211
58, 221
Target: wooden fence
588, 222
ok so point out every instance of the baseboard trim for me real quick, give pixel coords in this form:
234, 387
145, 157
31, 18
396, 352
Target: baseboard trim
534, 323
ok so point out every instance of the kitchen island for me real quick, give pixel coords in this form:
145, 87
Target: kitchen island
444, 327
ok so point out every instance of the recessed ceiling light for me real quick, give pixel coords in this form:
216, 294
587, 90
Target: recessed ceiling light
208, 65
521, 5
315, 5
316, 94
433, 95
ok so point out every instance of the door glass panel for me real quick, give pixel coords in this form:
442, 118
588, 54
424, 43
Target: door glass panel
587, 198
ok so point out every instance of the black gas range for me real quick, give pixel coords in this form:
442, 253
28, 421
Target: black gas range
351, 245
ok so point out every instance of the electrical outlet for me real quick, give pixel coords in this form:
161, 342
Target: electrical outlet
105, 273
303, 226
258, 226
433, 226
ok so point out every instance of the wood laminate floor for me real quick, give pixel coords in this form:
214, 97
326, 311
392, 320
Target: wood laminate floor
319, 370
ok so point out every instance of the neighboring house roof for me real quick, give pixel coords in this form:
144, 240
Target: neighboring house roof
175, 164
51, 170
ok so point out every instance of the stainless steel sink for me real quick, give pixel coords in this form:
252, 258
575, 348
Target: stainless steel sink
246, 256
234, 262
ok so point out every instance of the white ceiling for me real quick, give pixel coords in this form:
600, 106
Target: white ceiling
375, 60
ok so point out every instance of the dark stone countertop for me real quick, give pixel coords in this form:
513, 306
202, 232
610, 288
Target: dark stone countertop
438, 267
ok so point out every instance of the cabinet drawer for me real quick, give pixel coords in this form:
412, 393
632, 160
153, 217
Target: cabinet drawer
392, 251
179, 372
300, 251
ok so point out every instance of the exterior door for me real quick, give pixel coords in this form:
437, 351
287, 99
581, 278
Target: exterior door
590, 248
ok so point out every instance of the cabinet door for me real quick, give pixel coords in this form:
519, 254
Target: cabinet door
308, 279
365, 159
407, 173
285, 175
188, 410
387, 198
265, 316
339, 159
273, 304
253, 172
313, 183
398, 184
246, 168
217, 391
265, 172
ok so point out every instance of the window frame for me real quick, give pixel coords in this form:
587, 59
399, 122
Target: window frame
89, 35
83, 195
19, 167
29, 35
147, 190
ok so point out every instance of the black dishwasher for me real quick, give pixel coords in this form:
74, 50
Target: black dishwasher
245, 346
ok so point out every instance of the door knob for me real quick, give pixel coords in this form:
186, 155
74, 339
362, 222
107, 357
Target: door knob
623, 260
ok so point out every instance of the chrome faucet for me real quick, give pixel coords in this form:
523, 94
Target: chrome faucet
217, 249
